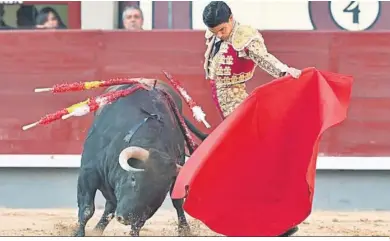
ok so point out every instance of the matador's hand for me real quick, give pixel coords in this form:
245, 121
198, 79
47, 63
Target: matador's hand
295, 73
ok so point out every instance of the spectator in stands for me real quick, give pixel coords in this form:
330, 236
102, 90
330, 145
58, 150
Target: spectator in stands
133, 18
48, 18
3, 25
26, 15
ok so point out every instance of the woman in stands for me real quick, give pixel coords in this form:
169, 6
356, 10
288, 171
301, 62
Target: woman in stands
48, 18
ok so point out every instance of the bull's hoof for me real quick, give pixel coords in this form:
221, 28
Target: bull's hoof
79, 234
184, 231
289, 232
134, 234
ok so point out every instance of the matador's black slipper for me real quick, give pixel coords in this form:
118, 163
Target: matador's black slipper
289, 232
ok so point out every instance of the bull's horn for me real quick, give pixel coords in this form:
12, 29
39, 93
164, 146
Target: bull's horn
132, 152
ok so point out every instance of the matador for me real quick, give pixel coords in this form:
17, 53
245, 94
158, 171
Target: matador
233, 52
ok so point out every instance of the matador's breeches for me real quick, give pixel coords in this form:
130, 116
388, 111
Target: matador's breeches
228, 98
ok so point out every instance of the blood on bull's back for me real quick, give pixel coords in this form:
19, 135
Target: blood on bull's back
130, 155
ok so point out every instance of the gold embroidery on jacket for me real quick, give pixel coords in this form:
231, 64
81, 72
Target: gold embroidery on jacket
229, 60
209, 43
227, 71
242, 36
269, 63
215, 67
231, 90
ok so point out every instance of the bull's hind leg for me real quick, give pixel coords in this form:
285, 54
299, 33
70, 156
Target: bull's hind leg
87, 186
108, 215
184, 227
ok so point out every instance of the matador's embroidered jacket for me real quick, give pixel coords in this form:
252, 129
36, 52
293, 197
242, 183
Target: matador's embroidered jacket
234, 63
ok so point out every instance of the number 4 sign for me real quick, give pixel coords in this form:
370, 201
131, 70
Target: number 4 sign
355, 15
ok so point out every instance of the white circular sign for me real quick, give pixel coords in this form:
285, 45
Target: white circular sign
355, 15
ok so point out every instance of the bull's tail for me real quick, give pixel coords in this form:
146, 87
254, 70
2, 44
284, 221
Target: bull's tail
195, 130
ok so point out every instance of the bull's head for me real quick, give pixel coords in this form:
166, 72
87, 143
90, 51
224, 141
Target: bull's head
138, 153
150, 176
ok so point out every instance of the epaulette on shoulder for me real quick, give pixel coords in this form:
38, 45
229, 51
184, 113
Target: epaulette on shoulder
208, 34
243, 35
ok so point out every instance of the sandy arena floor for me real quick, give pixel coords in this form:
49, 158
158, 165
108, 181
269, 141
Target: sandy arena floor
59, 222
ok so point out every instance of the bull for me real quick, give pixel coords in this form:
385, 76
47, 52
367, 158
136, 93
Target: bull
131, 154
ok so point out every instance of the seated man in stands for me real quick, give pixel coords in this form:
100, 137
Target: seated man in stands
133, 18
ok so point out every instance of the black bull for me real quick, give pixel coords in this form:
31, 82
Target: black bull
148, 150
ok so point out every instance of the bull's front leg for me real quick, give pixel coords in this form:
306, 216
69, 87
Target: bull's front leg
108, 215
136, 228
87, 186
183, 227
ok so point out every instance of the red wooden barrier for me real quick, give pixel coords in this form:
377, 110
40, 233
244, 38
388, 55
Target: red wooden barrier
43, 58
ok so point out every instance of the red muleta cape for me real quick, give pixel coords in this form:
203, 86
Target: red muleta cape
254, 174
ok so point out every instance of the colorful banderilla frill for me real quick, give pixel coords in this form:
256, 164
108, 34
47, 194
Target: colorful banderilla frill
79, 86
197, 111
93, 104
84, 107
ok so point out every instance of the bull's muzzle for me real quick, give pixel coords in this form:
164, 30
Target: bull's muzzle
138, 153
